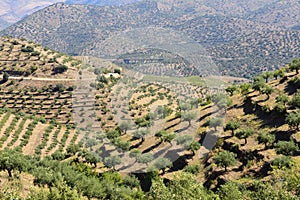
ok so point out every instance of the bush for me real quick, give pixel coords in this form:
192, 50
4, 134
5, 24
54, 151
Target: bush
27, 49
296, 100
60, 69
280, 108
282, 162
293, 119
59, 88
286, 148
225, 159
193, 169
5, 77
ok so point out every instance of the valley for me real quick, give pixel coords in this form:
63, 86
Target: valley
150, 100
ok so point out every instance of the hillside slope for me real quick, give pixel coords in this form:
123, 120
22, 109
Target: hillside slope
260, 41
12, 11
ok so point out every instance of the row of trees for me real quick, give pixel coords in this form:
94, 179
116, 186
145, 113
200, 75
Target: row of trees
73, 181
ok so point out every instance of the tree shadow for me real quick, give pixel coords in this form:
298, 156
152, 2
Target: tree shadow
171, 126
264, 171
161, 152
136, 145
210, 177
283, 135
290, 88
127, 166
182, 129
272, 119
172, 119
104, 152
246, 156
180, 163
151, 147
210, 106
145, 179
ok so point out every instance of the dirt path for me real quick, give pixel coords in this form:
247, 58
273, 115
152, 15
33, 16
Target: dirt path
35, 139
39, 79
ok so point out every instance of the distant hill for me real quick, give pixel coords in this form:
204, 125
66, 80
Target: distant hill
241, 37
100, 2
12, 11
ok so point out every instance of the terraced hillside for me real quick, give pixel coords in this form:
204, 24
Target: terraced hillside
240, 37
36, 80
260, 129
155, 128
157, 62
32, 135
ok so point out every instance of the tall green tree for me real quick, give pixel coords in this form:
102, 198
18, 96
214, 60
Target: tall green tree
293, 119
295, 65
225, 159
282, 98
125, 126
112, 161
287, 148
182, 187
188, 116
244, 133
296, 100
266, 138
267, 76
232, 125
163, 164
12, 160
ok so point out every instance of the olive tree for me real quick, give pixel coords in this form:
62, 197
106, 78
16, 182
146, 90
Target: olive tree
189, 116
163, 164
286, 148
225, 159
295, 65
125, 126
244, 133
267, 76
112, 161
145, 158
12, 160
293, 119
215, 122
141, 134
266, 138
232, 125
